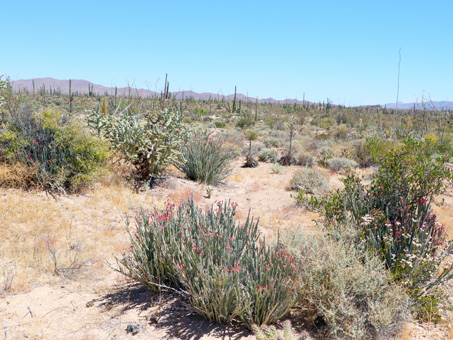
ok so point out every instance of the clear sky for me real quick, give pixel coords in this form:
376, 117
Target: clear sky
343, 50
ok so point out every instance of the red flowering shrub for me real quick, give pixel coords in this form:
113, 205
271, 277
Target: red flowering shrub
224, 268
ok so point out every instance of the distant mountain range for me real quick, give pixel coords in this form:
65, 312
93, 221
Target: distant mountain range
431, 105
83, 86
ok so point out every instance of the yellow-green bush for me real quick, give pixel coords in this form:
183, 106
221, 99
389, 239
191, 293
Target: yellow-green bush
60, 154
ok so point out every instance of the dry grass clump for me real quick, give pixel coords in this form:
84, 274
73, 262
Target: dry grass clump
49, 241
16, 175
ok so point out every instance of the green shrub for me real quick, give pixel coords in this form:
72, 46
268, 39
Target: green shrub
267, 155
373, 148
395, 220
223, 268
305, 159
273, 143
244, 123
219, 124
61, 155
148, 142
345, 287
339, 163
205, 158
309, 181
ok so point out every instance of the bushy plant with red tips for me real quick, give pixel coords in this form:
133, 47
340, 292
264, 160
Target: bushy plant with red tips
225, 270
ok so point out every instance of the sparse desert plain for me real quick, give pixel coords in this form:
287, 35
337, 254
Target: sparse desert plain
64, 208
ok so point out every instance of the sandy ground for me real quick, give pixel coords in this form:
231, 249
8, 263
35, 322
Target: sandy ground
81, 297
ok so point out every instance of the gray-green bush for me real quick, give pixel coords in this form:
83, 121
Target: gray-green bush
339, 163
225, 270
309, 181
345, 286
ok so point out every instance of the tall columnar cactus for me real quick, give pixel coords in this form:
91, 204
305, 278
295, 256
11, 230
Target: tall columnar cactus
148, 142
70, 96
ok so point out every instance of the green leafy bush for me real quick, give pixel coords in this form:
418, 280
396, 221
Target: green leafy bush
61, 156
222, 267
373, 148
267, 155
205, 158
309, 181
395, 220
244, 123
345, 287
148, 142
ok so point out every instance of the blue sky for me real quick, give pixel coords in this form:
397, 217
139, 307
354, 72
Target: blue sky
343, 50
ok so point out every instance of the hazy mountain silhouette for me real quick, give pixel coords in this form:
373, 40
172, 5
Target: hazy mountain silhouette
82, 87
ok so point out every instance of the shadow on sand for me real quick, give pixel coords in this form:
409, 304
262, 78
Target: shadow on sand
168, 312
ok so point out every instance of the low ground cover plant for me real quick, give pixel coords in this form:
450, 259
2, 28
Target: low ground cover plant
225, 269
205, 158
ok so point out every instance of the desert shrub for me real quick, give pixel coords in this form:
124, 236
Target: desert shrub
373, 148
244, 123
148, 143
272, 142
309, 181
276, 168
271, 333
339, 163
395, 220
222, 267
205, 158
345, 287
219, 124
341, 132
59, 154
267, 155
305, 159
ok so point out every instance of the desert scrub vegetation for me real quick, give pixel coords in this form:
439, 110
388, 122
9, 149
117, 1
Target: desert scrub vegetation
205, 158
271, 333
340, 163
345, 287
50, 150
148, 142
394, 219
310, 181
224, 268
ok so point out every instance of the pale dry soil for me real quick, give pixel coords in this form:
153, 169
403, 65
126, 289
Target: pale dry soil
56, 281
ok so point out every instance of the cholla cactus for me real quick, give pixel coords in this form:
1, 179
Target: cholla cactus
2, 86
270, 333
148, 142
